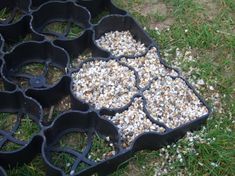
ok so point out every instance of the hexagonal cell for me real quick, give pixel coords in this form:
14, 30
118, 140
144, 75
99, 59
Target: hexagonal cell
104, 84
14, 23
134, 121
81, 49
80, 142
19, 122
171, 101
39, 65
121, 36
58, 23
100, 9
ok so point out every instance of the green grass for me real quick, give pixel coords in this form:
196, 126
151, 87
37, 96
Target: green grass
63, 161
7, 121
5, 14
35, 168
76, 141
212, 38
60, 27
100, 149
25, 131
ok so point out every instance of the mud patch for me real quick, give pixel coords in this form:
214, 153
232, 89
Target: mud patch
154, 7
166, 24
210, 9
159, 14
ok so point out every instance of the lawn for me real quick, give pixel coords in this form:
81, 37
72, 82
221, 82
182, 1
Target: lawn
198, 37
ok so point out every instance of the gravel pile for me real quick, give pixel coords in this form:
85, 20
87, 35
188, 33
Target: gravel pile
133, 122
104, 84
172, 102
148, 67
121, 44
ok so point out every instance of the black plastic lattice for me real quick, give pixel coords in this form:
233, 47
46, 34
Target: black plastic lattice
24, 41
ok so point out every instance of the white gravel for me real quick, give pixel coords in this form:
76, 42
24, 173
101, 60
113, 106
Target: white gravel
133, 122
172, 102
121, 44
112, 85
149, 67
104, 84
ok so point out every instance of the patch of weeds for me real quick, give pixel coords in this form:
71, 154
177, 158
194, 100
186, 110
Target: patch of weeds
36, 167
6, 14
101, 149
140, 164
58, 27
7, 121
63, 161
54, 74
203, 36
81, 167
158, 17
10, 146
186, 10
34, 69
61, 28
75, 31
75, 140
229, 3
26, 129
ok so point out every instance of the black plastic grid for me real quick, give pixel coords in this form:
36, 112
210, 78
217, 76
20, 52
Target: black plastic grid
39, 95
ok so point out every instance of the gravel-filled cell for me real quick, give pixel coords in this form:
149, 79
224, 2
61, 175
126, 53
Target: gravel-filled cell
133, 122
172, 102
104, 84
148, 67
121, 43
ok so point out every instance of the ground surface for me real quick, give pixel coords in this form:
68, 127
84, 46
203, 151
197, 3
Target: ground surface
199, 38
